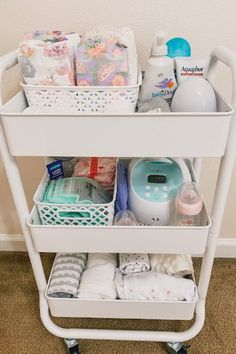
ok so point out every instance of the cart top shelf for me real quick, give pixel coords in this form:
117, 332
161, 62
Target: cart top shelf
123, 135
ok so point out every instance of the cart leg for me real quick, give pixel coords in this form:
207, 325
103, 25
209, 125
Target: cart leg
177, 347
72, 345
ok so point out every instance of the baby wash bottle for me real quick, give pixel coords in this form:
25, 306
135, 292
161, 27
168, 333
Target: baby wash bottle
159, 79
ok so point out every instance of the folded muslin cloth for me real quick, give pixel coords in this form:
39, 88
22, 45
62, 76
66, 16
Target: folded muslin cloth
152, 286
107, 58
48, 58
178, 265
97, 280
66, 274
134, 263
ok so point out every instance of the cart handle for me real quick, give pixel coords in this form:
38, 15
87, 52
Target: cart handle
6, 62
228, 57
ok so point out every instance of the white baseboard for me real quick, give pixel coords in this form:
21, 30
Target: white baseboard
226, 247
12, 243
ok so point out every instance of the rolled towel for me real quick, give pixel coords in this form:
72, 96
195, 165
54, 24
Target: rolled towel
134, 263
97, 280
178, 265
66, 274
152, 286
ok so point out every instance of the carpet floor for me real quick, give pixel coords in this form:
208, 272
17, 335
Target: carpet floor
21, 331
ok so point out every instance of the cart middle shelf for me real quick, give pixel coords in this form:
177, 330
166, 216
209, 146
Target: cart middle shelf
119, 239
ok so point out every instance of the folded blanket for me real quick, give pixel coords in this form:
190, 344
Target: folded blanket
107, 58
47, 58
152, 286
178, 265
97, 280
134, 263
66, 274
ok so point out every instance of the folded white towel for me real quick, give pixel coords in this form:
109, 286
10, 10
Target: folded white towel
152, 286
97, 280
178, 265
134, 262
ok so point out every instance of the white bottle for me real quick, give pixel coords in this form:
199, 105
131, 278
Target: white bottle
159, 79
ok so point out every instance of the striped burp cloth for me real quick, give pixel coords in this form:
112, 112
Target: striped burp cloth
66, 274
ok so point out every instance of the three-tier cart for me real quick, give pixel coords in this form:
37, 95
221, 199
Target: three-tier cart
189, 135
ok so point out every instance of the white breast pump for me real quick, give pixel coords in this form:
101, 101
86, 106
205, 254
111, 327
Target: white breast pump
153, 185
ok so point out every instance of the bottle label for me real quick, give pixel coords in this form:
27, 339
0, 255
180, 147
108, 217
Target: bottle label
186, 222
192, 71
165, 88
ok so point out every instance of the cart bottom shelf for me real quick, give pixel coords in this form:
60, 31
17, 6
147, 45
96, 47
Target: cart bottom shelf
162, 310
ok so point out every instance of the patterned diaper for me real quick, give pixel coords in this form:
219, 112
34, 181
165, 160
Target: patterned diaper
67, 271
102, 59
47, 58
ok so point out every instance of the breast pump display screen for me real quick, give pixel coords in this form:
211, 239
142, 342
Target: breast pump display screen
157, 179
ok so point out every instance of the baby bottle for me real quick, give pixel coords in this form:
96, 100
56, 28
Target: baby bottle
188, 205
125, 218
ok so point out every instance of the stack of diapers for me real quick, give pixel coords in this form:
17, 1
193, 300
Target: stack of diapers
134, 263
67, 271
107, 58
97, 280
47, 58
153, 286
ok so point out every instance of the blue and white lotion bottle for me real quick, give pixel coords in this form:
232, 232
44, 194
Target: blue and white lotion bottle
159, 79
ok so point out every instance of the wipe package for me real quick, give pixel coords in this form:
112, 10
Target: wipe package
75, 190
101, 169
47, 58
107, 58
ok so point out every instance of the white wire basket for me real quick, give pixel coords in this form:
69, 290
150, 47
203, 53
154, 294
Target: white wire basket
73, 214
82, 98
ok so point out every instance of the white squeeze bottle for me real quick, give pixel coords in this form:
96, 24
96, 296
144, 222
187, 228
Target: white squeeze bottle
159, 79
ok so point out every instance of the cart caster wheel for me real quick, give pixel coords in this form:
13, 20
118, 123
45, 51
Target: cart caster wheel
177, 347
72, 345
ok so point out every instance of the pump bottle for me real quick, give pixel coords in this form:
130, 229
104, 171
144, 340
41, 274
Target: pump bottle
159, 79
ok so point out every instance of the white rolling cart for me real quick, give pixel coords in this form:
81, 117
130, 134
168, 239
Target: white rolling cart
139, 135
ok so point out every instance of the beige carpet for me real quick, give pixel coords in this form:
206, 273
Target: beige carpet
21, 331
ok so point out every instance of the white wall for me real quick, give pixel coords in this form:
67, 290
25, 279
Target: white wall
205, 24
